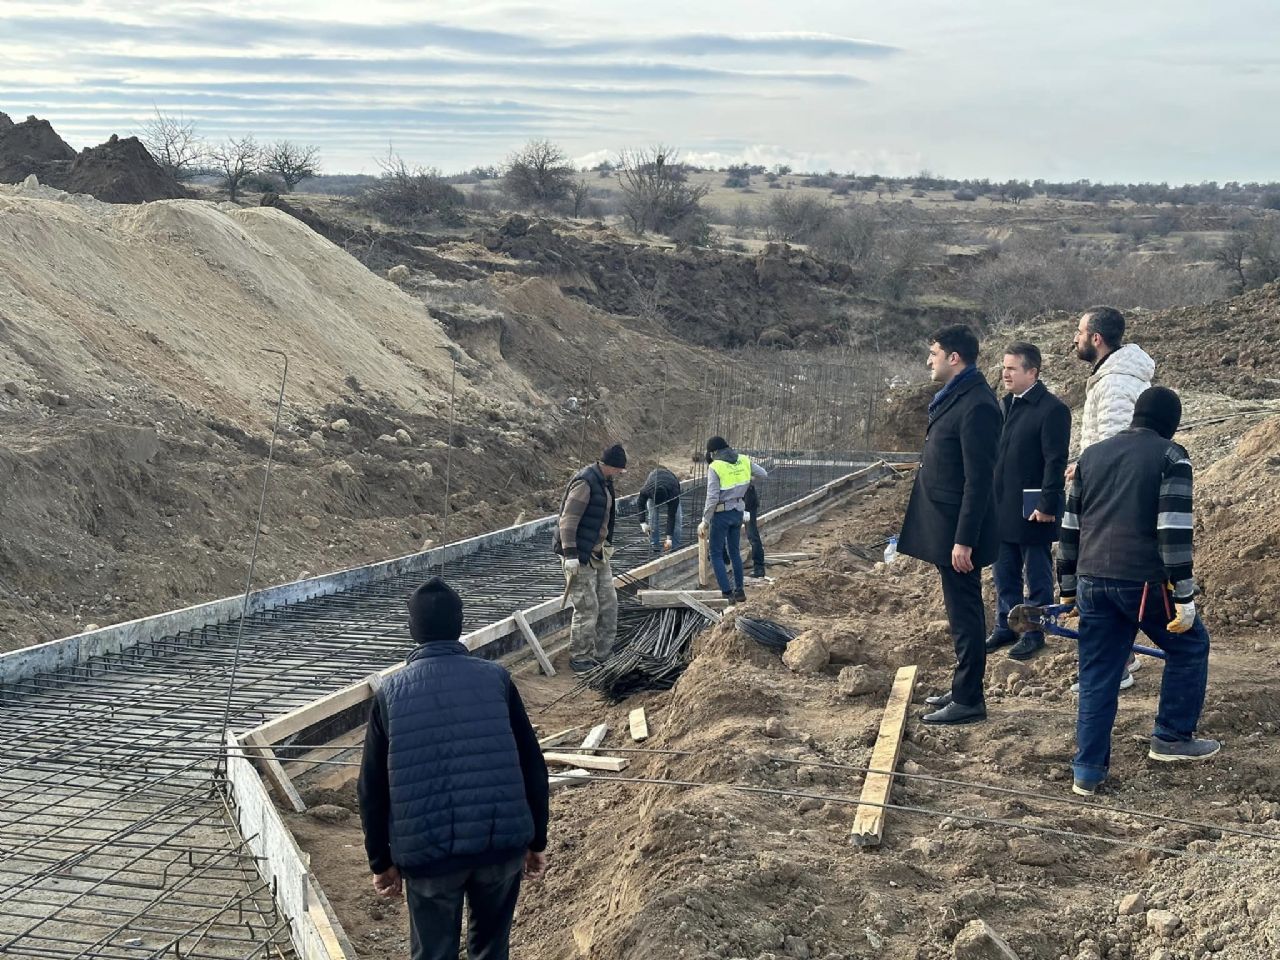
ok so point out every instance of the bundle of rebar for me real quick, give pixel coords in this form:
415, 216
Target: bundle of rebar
767, 633
652, 652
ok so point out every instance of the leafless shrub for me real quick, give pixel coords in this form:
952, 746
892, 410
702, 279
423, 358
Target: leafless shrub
656, 193
406, 195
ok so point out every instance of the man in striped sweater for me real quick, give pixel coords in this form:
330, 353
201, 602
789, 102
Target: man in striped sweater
1126, 557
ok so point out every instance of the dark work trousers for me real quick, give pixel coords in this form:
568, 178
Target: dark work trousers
1011, 589
757, 548
962, 595
435, 912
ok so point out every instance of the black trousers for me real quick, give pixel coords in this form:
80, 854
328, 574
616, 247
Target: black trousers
962, 595
435, 912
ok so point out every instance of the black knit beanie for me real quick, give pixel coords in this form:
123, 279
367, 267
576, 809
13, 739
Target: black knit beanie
615, 456
435, 612
1158, 409
716, 443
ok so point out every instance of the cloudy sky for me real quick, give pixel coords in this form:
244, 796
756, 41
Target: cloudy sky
1176, 90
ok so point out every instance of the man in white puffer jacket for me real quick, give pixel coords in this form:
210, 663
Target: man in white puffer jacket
1121, 371
1120, 374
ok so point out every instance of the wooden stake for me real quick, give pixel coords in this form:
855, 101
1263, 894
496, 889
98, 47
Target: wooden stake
639, 724
523, 623
868, 821
266, 760
704, 576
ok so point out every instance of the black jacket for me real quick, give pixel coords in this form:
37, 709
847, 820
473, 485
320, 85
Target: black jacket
1129, 514
1032, 456
953, 498
452, 775
600, 512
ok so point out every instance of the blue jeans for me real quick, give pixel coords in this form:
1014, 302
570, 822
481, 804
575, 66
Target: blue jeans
1015, 558
657, 512
435, 912
1108, 624
726, 530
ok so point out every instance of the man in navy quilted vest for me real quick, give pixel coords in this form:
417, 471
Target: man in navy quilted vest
453, 788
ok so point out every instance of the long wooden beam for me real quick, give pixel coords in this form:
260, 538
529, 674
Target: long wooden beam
868, 819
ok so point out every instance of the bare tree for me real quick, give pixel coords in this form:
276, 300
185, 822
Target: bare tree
236, 159
538, 175
579, 194
1233, 257
174, 144
656, 194
291, 162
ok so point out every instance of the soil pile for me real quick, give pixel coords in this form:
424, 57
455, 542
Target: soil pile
31, 146
119, 171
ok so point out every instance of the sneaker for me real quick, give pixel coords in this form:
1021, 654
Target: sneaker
1000, 638
583, 664
1134, 664
740, 596
1126, 682
1178, 751
758, 574
1027, 647
1085, 788
727, 597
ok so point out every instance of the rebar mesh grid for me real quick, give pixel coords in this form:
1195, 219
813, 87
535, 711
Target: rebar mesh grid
115, 844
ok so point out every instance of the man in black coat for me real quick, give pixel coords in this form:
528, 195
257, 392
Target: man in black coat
1030, 469
950, 519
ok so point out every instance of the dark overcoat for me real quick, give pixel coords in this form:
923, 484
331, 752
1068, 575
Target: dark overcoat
1033, 457
953, 500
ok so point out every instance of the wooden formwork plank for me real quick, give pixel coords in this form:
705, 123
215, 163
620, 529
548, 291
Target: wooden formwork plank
577, 776
868, 819
672, 598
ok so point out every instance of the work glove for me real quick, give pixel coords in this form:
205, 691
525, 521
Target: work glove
746, 515
571, 566
702, 529
607, 551
644, 528
1185, 618
666, 544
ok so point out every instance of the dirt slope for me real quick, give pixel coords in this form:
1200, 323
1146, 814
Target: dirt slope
137, 403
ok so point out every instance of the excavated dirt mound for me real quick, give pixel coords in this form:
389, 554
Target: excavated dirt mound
119, 171
31, 146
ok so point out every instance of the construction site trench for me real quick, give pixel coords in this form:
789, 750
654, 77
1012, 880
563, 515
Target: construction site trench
118, 835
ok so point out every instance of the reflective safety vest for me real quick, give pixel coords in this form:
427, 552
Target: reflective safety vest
733, 474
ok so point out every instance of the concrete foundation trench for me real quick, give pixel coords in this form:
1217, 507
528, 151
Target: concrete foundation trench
128, 831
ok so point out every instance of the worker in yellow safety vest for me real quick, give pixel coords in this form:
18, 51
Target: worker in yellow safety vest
729, 474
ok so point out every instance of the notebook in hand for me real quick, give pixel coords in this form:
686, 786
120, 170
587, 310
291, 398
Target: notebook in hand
1030, 501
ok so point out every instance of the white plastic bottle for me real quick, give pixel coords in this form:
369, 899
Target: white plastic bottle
891, 551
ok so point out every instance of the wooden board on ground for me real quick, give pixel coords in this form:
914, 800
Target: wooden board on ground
578, 776
868, 819
555, 739
672, 598
532, 638
639, 724
788, 557
693, 602
255, 746
587, 761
